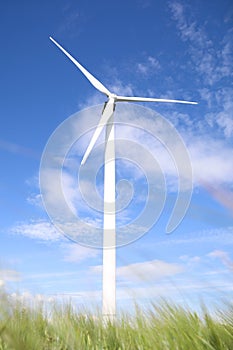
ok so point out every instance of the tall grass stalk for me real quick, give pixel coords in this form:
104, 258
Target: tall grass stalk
163, 327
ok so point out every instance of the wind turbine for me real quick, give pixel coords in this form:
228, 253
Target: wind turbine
109, 225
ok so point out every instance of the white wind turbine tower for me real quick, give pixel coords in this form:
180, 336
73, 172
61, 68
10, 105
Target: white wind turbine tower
109, 225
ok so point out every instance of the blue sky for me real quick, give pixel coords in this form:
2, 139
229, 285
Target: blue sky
164, 49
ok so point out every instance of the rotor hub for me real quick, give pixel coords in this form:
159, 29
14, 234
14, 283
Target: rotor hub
113, 97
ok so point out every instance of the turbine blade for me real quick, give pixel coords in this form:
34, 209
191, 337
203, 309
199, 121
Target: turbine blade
107, 113
148, 99
96, 83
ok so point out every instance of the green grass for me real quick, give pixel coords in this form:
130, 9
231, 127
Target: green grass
163, 327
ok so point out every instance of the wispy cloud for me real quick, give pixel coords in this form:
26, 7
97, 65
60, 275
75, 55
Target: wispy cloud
45, 231
49, 275
190, 260
223, 195
211, 152
8, 275
213, 63
28, 298
15, 148
224, 257
210, 61
76, 253
72, 22
149, 66
154, 142
216, 236
149, 270
118, 87
145, 271
37, 229
143, 3
35, 199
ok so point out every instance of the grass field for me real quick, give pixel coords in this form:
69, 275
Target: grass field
163, 326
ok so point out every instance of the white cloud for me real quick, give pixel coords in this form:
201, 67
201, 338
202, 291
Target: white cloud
76, 253
85, 232
154, 62
216, 236
149, 66
18, 149
142, 4
64, 199
211, 160
207, 95
149, 270
146, 148
96, 269
46, 231
190, 259
223, 194
213, 62
35, 199
223, 256
164, 289
49, 275
209, 61
188, 288
210, 156
37, 229
8, 275
145, 271
224, 118
32, 300
94, 99
186, 25
72, 21
119, 88
33, 181
219, 254
219, 116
